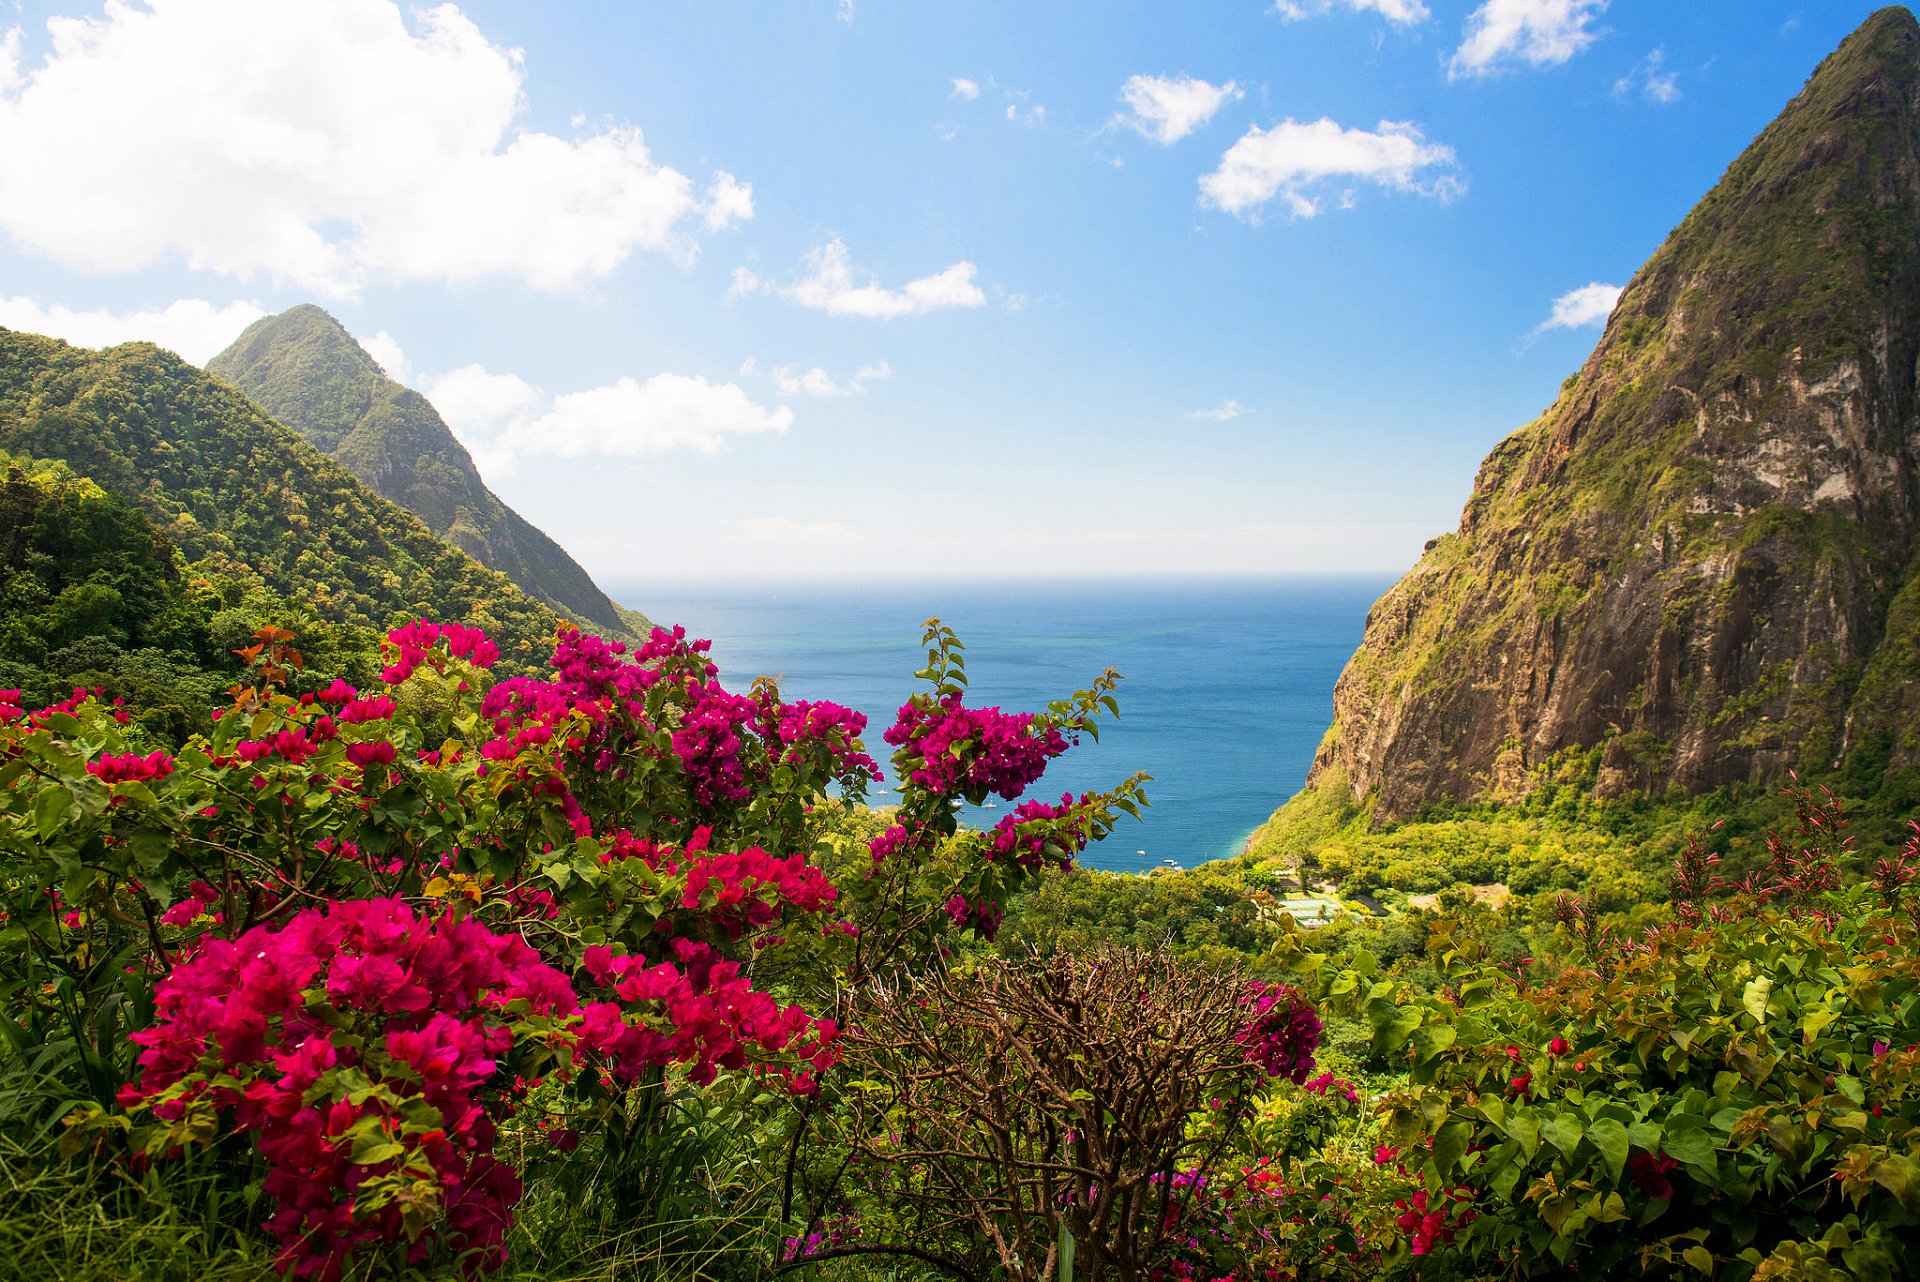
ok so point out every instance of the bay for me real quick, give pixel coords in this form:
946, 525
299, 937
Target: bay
1227, 690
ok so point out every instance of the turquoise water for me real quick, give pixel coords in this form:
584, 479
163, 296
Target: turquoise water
1229, 682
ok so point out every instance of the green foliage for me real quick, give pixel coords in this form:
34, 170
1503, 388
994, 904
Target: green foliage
1735, 1099
1209, 910
246, 501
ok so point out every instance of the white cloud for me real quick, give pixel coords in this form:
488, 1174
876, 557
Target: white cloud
1167, 109
783, 529
1649, 80
386, 353
791, 380
844, 10
743, 282
502, 418
326, 145
1021, 109
1293, 158
965, 88
192, 327
729, 201
9, 59
828, 285
1404, 13
1590, 304
1538, 33
479, 405
1226, 412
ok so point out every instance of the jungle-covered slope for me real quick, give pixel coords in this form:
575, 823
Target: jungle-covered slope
306, 370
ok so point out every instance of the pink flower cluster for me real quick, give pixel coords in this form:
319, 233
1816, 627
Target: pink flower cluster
131, 768
707, 741
415, 640
199, 902
294, 746
1428, 1226
11, 709
370, 754
714, 1019
359, 711
1283, 1031
983, 915
796, 726
282, 1029
713, 731
735, 891
961, 749
1328, 1084
1022, 836
417, 1006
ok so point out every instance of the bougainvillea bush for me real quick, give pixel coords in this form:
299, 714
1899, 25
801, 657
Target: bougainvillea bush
1731, 1093
353, 938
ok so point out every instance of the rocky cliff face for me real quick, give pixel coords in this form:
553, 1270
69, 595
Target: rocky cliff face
306, 370
1701, 559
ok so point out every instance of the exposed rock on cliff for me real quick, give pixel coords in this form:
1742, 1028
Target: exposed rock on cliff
1701, 558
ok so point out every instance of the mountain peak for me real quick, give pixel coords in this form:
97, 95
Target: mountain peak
1694, 569
306, 370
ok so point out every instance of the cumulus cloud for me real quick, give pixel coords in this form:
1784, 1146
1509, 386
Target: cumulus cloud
965, 89
502, 418
324, 144
1403, 13
9, 59
387, 354
1226, 412
1650, 80
1295, 160
1590, 304
729, 201
827, 284
1535, 33
791, 380
1167, 109
192, 327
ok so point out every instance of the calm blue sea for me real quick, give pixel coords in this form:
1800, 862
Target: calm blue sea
1228, 682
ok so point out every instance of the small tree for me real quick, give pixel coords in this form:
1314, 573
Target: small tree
1016, 1107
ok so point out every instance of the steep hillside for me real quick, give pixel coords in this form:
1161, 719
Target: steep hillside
1699, 562
307, 371
243, 498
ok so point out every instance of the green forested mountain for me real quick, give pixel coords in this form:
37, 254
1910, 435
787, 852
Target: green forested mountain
254, 510
1698, 567
307, 371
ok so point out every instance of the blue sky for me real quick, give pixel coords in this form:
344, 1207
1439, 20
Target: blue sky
798, 287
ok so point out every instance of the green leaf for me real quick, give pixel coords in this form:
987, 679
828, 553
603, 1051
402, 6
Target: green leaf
1525, 1130
1563, 1132
1695, 1148
1700, 1258
1900, 1177
50, 809
1815, 1020
1610, 1137
1450, 1143
1754, 997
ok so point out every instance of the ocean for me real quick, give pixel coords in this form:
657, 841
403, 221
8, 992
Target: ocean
1228, 682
